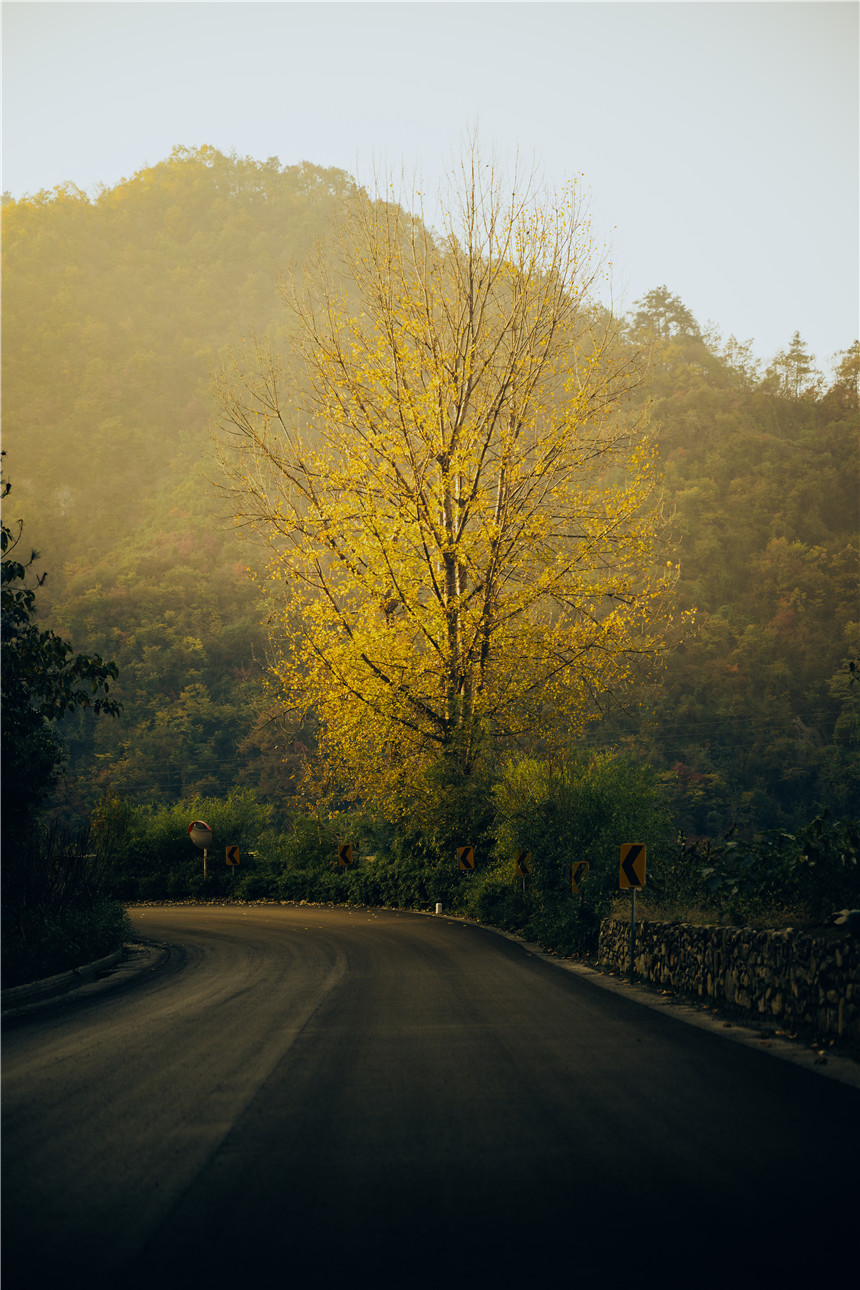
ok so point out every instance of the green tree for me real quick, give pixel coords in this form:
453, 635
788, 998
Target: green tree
662, 315
42, 680
844, 393
793, 372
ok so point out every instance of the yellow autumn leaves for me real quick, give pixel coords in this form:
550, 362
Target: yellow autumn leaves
463, 519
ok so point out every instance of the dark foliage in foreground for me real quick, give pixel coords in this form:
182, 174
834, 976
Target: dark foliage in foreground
56, 913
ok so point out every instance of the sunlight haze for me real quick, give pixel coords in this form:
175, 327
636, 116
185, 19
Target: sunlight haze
718, 141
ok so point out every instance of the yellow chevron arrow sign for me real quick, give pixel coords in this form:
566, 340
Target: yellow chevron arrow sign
575, 870
632, 872
466, 858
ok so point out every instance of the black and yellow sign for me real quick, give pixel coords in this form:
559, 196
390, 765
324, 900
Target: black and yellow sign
232, 855
575, 870
344, 854
466, 858
524, 863
632, 873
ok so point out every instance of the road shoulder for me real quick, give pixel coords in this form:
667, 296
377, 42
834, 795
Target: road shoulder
811, 1057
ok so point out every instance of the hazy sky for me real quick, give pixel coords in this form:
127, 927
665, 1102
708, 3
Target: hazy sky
719, 141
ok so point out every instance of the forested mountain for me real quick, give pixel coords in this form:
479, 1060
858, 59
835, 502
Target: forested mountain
758, 717
116, 310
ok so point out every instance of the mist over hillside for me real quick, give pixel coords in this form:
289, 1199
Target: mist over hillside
118, 309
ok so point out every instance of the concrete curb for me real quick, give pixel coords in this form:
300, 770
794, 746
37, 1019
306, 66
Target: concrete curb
122, 965
49, 986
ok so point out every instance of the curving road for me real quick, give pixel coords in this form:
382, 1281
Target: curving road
321, 1097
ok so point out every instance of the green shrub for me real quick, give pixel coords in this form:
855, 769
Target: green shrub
403, 882
581, 808
44, 943
56, 915
809, 873
568, 927
498, 899
151, 857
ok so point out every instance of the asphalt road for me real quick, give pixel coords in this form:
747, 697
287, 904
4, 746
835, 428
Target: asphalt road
319, 1097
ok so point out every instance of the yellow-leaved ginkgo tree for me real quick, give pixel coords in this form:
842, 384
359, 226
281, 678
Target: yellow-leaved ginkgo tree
464, 519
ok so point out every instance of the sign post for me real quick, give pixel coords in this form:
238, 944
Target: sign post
524, 864
632, 934
233, 859
632, 876
201, 835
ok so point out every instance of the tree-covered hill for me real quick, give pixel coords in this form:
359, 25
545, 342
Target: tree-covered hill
117, 309
758, 717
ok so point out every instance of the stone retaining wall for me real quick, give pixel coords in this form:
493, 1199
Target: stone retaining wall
808, 984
